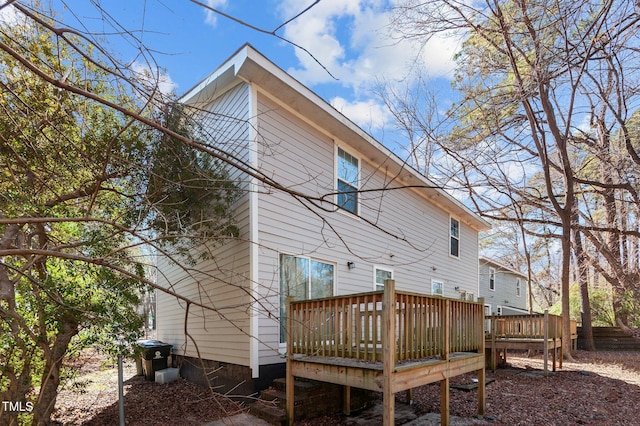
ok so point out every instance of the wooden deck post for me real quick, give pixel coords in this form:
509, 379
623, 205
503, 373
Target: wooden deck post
445, 402
290, 380
482, 396
494, 329
346, 401
446, 347
388, 351
545, 343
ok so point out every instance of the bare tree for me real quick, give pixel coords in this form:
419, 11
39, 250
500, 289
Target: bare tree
86, 197
528, 74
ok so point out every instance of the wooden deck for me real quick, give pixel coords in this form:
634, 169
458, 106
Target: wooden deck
385, 341
541, 332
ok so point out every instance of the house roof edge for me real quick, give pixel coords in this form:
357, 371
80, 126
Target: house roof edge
249, 65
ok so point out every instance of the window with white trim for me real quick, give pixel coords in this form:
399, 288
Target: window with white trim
487, 310
347, 181
303, 278
518, 287
492, 279
454, 237
487, 322
380, 275
437, 287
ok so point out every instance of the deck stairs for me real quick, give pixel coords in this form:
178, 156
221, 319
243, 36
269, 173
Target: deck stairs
312, 399
611, 339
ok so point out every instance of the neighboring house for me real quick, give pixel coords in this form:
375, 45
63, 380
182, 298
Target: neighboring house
505, 290
420, 236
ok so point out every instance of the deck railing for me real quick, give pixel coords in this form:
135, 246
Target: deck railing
353, 326
527, 326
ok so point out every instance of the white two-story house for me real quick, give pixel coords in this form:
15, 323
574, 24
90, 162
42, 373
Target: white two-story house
346, 214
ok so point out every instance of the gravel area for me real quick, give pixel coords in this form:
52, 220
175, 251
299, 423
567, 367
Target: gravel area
596, 388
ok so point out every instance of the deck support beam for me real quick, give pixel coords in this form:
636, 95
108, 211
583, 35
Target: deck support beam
545, 345
388, 351
482, 394
290, 379
444, 402
346, 402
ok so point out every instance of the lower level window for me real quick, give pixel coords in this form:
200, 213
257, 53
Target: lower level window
303, 278
382, 275
437, 287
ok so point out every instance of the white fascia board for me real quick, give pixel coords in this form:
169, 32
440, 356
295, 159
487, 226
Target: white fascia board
216, 83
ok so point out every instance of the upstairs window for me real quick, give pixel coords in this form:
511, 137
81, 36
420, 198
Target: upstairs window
348, 171
492, 278
518, 287
454, 240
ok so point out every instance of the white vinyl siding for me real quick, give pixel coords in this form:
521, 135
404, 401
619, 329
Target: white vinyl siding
221, 334
294, 142
505, 287
300, 156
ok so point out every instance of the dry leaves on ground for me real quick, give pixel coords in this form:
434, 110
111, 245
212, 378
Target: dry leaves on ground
92, 399
597, 388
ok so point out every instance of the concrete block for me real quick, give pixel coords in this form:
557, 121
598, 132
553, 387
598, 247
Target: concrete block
167, 375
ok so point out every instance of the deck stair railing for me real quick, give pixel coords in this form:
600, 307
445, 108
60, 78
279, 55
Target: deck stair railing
351, 326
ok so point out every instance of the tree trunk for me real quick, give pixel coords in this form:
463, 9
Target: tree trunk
566, 261
48, 394
587, 331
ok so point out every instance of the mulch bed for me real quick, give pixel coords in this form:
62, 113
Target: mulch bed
596, 388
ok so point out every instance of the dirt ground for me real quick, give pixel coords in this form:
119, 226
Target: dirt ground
597, 388
92, 398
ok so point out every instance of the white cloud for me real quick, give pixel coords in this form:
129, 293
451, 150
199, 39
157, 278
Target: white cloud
352, 40
367, 114
9, 15
151, 78
211, 17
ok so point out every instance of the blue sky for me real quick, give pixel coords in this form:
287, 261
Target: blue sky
351, 38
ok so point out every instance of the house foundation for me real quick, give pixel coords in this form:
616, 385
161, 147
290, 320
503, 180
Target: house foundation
226, 378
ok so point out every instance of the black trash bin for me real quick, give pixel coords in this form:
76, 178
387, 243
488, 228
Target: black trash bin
153, 355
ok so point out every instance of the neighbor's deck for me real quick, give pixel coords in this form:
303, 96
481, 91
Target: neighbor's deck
387, 342
527, 332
